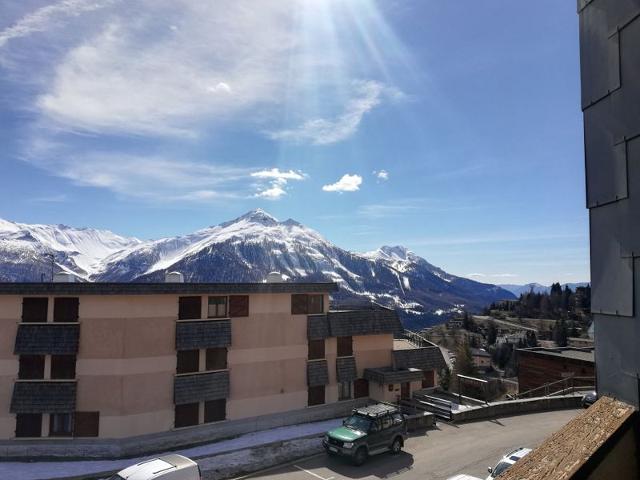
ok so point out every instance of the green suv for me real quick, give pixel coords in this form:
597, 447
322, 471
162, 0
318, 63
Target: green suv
368, 431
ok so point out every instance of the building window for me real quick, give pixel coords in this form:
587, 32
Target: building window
345, 346
316, 349
189, 308
217, 307
31, 367
86, 424
63, 366
28, 425
215, 410
316, 303
60, 425
34, 309
65, 309
316, 395
344, 391
188, 361
187, 414
239, 306
216, 359
303, 304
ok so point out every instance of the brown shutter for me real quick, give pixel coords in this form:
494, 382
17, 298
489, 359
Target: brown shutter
186, 414
299, 304
86, 424
316, 395
345, 346
34, 309
216, 359
239, 306
315, 303
188, 361
316, 349
63, 366
189, 308
215, 410
361, 388
65, 309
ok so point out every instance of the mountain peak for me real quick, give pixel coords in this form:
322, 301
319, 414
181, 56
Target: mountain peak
397, 252
256, 216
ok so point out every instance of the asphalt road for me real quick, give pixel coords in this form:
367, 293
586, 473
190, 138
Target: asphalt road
436, 454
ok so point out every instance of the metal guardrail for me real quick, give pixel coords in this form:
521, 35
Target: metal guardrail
439, 407
559, 387
416, 339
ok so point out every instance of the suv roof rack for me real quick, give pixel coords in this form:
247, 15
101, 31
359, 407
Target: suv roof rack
377, 410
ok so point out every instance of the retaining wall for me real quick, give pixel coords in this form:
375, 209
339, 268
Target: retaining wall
516, 407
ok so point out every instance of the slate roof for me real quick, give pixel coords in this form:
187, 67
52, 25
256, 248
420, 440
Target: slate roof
200, 387
317, 327
386, 376
346, 369
122, 288
317, 373
52, 339
347, 323
203, 334
427, 358
43, 397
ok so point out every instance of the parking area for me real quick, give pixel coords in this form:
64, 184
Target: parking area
436, 454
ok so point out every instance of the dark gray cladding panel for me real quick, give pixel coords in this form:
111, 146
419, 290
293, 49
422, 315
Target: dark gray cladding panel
200, 387
386, 376
317, 327
605, 160
346, 369
599, 57
43, 397
611, 274
52, 339
203, 334
363, 322
428, 358
317, 373
617, 357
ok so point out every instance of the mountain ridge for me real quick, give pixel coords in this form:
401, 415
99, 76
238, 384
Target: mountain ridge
245, 249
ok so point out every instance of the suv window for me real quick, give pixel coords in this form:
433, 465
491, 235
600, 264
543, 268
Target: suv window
387, 421
358, 422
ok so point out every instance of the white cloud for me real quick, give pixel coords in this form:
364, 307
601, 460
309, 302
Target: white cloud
50, 16
320, 131
381, 175
476, 275
348, 183
277, 181
273, 193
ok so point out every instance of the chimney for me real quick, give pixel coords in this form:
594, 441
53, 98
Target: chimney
173, 277
275, 277
64, 277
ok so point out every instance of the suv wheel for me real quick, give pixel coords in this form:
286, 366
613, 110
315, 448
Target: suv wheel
396, 446
360, 456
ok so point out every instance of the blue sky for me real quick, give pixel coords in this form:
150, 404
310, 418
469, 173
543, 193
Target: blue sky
452, 128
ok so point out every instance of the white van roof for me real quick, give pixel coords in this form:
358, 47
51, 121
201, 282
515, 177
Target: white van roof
156, 467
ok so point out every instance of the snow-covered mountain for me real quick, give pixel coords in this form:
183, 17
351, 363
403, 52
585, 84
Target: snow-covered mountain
518, 290
245, 250
26, 250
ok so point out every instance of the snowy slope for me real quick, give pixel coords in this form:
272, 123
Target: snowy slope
246, 250
24, 250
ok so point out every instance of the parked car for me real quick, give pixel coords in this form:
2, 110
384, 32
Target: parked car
589, 399
463, 476
505, 462
167, 467
368, 431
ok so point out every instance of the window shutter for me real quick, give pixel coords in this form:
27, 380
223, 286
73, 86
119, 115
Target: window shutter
86, 424
215, 410
299, 304
316, 395
315, 304
239, 306
65, 309
186, 414
34, 309
189, 308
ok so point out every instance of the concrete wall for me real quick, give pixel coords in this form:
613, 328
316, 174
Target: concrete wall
10, 313
517, 407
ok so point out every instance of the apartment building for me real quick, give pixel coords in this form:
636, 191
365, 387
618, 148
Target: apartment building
122, 360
